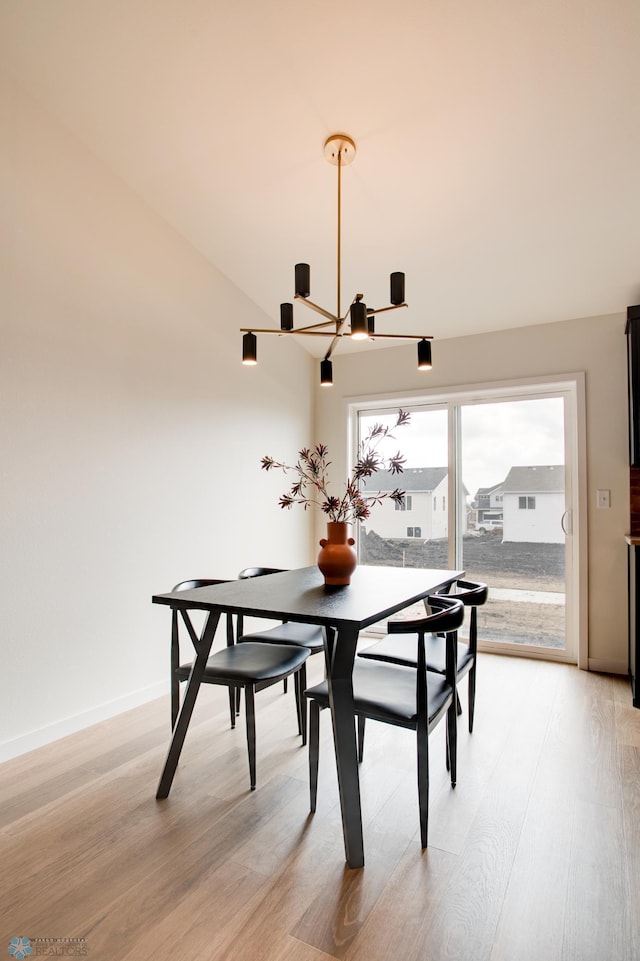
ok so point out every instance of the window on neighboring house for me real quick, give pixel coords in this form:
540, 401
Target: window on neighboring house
405, 504
435, 503
444, 503
414, 532
526, 503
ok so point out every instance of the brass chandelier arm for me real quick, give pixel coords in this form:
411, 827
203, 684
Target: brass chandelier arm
308, 332
332, 346
325, 323
318, 310
338, 334
378, 336
383, 310
304, 331
340, 321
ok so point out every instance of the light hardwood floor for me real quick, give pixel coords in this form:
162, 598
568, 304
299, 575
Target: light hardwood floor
534, 857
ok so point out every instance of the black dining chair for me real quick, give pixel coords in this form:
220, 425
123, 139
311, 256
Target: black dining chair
303, 635
251, 667
407, 697
180, 673
309, 636
404, 650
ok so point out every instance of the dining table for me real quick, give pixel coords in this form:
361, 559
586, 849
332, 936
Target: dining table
300, 595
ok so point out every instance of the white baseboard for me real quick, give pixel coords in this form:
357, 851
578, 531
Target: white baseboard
603, 666
77, 722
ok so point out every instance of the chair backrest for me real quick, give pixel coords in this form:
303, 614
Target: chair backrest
258, 572
254, 572
199, 582
471, 594
447, 615
191, 586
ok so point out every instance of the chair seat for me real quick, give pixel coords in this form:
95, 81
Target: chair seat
403, 649
249, 663
387, 692
302, 635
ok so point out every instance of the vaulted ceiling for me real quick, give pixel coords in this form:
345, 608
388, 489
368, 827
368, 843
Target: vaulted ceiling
498, 143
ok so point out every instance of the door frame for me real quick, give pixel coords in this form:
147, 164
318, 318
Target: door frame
572, 385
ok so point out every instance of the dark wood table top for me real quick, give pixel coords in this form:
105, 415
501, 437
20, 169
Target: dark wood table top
374, 594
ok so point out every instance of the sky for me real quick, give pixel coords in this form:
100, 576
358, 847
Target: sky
495, 437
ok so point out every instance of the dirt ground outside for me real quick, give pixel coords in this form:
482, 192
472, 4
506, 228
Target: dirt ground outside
511, 566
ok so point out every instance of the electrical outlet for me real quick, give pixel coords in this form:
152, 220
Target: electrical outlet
603, 498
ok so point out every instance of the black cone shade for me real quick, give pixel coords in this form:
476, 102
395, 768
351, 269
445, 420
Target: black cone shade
424, 355
286, 316
249, 350
303, 287
326, 373
359, 324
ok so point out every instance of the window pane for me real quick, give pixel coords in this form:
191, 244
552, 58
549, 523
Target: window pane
385, 538
513, 469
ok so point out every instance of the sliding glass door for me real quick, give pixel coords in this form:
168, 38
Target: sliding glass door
488, 489
512, 460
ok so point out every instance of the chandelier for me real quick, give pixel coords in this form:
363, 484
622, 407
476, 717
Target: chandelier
339, 150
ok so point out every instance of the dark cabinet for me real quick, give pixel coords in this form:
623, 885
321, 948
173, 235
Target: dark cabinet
633, 372
634, 617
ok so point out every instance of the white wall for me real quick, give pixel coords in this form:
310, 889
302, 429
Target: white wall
595, 345
540, 525
440, 513
387, 521
130, 433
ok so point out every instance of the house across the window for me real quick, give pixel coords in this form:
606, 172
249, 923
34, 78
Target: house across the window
525, 506
424, 488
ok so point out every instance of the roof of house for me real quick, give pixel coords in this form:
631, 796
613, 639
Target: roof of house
484, 491
536, 479
411, 479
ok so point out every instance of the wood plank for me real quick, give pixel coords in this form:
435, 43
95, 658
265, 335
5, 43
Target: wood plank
599, 776
345, 898
99, 882
211, 902
469, 910
598, 914
400, 924
627, 721
630, 774
532, 918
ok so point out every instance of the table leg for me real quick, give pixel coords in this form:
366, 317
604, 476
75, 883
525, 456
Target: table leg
340, 659
188, 703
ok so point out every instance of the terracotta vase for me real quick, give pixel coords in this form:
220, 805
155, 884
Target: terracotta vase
337, 560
